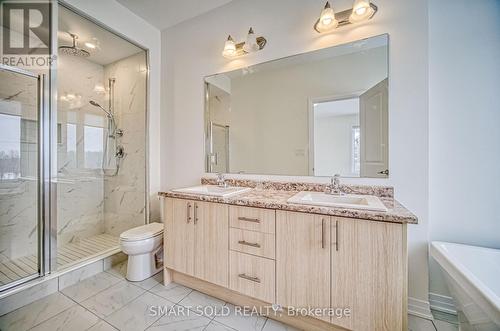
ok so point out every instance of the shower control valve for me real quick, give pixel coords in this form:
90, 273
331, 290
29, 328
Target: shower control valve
120, 153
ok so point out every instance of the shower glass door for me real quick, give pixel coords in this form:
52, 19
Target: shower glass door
20, 222
220, 148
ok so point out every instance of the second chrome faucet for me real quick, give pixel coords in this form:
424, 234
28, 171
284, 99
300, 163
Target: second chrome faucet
221, 180
334, 187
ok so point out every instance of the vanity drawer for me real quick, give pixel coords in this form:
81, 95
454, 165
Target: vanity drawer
252, 242
252, 275
254, 219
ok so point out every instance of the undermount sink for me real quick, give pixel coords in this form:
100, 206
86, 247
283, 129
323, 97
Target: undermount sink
213, 190
351, 201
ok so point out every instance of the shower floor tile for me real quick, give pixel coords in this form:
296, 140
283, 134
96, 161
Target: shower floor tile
72, 253
67, 256
16, 269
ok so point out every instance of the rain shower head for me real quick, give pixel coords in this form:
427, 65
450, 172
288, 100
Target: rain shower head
95, 104
73, 50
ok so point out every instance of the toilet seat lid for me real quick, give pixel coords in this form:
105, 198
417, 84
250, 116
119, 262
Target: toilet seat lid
143, 232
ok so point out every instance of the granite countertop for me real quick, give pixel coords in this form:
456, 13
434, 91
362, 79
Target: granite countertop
267, 196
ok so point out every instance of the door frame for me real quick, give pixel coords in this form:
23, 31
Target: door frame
310, 117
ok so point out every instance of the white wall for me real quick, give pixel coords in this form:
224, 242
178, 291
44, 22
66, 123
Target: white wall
464, 124
118, 18
192, 50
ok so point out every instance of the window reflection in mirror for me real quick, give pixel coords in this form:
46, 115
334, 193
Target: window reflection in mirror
313, 114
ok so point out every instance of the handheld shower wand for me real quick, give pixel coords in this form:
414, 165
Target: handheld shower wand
113, 132
95, 104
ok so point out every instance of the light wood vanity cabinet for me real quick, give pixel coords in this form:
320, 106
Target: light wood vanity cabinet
369, 274
179, 235
252, 242
292, 259
252, 267
343, 263
253, 219
302, 260
197, 239
252, 275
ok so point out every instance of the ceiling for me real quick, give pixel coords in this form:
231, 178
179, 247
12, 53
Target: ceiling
165, 13
111, 47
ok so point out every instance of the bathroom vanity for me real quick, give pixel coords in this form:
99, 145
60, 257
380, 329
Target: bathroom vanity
257, 249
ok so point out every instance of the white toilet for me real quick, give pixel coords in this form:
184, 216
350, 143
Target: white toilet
144, 247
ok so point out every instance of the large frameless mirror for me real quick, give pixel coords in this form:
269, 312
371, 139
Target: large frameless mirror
313, 114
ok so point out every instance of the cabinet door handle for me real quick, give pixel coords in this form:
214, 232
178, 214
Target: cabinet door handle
337, 235
323, 233
195, 213
246, 219
250, 278
188, 213
243, 242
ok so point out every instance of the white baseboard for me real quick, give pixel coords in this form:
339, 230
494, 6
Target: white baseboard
442, 303
420, 308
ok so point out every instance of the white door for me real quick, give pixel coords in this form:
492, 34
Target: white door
220, 148
373, 111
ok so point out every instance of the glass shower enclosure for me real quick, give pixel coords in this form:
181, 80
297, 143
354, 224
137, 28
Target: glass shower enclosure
20, 181
73, 150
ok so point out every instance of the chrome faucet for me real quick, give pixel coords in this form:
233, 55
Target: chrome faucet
334, 186
221, 181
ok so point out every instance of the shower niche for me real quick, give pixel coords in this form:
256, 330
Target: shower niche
101, 139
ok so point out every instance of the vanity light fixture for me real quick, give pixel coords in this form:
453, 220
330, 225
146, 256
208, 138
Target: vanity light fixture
326, 21
252, 44
361, 10
229, 48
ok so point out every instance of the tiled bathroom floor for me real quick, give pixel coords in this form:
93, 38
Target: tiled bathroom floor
107, 301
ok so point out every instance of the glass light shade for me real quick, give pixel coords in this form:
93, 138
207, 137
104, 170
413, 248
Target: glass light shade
361, 10
327, 21
251, 45
327, 16
229, 48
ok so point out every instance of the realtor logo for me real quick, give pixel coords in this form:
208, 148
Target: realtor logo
25, 27
26, 34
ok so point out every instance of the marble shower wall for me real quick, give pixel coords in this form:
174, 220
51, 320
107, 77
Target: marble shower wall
80, 185
125, 194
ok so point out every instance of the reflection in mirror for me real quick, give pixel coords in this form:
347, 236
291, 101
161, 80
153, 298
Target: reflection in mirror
313, 114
